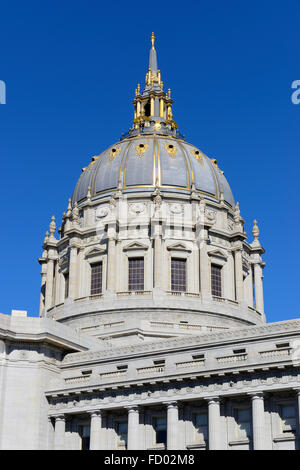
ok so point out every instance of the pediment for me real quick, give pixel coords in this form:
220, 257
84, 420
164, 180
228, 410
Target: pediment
95, 251
135, 246
178, 247
217, 253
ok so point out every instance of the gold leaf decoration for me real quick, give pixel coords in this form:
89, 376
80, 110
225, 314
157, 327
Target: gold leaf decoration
172, 150
214, 161
198, 156
113, 153
140, 149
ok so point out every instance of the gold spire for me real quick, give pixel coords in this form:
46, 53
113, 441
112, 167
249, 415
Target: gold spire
152, 40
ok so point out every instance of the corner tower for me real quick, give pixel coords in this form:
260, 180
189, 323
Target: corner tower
152, 244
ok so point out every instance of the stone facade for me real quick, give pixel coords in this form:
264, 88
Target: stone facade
152, 332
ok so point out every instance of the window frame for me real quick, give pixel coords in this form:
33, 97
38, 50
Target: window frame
220, 270
182, 260
130, 260
155, 430
92, 265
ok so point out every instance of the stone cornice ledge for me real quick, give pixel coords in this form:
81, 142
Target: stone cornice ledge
234, 335
44, 330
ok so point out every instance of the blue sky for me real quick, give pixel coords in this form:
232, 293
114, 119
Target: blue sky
71, 69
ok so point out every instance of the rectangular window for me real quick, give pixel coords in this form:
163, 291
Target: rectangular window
122, 431
201, 426
96, 278
178, 275
84, 433
216, 281
243, 422
136, 274
66, 286
288, 418
160, 429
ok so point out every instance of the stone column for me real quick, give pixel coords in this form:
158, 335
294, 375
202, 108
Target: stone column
50, 434
49, 284
43, 289
111, 265
158, 275
73, 272
298, 402
133, 428
205, 287
259, 297
95, 430
214, 423
172, 425
59, 432
258, 421
239, 282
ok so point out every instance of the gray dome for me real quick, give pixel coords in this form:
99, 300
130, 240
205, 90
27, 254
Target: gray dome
137, 164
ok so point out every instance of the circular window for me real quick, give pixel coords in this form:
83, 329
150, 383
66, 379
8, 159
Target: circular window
171, 146
141, 146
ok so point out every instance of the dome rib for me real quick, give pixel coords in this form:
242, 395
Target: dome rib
142, 161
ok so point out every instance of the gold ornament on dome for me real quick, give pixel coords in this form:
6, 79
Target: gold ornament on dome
215, 163
198, 156
113, 153
140, 149
172, 150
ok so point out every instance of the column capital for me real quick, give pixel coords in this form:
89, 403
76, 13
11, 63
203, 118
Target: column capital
171, 404
297, 390
60, 417
132, 408
212, 400
93, 413
256, 395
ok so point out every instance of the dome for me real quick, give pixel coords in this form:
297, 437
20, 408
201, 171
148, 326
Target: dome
153, 153
140, 163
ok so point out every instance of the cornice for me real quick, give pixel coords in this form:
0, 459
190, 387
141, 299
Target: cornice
246, 333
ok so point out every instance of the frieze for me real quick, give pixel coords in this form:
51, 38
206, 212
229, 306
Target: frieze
165, 391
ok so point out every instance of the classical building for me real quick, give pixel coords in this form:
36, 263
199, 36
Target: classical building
152, 332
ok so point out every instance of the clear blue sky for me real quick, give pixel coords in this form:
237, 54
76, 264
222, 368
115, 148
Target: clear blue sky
71, 69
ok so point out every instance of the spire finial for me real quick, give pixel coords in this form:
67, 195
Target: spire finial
255, 231
152, 40
52, 227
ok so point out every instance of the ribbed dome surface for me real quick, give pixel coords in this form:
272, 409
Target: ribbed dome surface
137, 164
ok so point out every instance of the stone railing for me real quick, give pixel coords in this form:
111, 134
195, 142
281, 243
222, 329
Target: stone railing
189, 364
103, 325
186, 326
133, 293
176, 293
96, 297
150, 370
280, 352
225, 301
232, 358
112, 375
79, 379
161, 324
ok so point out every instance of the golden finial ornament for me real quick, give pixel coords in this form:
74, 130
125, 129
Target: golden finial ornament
152, 40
